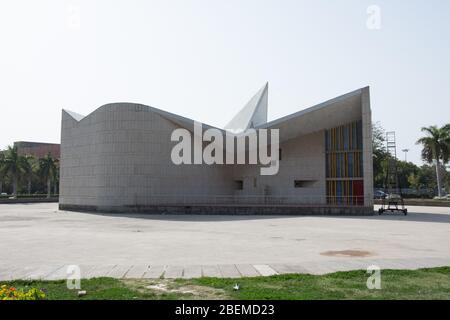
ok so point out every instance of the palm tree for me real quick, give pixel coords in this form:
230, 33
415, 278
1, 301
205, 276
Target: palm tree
436, 147
56, 177
2, 157
30, 166
47, 168
13, 165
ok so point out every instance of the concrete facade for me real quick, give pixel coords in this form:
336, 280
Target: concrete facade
118, 159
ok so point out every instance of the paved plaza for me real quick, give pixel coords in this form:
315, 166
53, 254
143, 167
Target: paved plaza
39, 241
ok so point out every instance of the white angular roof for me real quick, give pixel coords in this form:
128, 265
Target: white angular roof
253, 114
328, 114
76, 116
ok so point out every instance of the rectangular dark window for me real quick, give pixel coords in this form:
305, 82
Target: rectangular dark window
304, 183
239, 184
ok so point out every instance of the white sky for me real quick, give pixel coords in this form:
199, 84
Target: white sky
204, 59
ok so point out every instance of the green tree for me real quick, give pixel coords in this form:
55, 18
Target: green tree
379, 154
29, 171
436, 148
2, 158
447, 180
404, 171
56, 178
424, 180
414, 181
13, 165
427, 177
48, 169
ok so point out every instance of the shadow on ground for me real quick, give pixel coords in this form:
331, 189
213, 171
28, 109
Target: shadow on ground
411, 217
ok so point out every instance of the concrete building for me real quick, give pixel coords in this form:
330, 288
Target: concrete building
38, 149
118, 159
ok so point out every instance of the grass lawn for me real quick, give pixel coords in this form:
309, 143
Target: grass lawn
396, 284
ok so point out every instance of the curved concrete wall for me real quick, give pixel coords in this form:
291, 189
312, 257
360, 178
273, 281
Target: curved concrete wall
120, 156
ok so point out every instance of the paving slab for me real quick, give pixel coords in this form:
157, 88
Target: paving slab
40, 273
21, 273
363, 264
137, 272
391, 264
119, 271
6, 273
191, 272
342, 265
58, 274
288, 268
318, 268
154, 272
211, 271
173, 272
265, 270
229, 271
432, 262
247, 270
99, 271
226, 271
87, 270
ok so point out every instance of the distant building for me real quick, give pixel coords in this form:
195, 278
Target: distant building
118, 159
38, 149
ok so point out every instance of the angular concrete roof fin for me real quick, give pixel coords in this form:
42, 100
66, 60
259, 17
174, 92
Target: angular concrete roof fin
320, 106
74, 115
253, 114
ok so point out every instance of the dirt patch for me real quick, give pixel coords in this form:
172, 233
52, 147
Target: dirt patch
183, 291
347, 253
166, 288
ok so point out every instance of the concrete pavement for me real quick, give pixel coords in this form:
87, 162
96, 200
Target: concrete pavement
37, 241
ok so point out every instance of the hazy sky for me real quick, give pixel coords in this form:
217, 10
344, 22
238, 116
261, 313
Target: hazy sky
205, 59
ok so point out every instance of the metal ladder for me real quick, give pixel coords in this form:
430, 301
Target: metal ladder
393, 200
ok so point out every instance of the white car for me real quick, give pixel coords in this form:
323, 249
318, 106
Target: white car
393, 196
446, 197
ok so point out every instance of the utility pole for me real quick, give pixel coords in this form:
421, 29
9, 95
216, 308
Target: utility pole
406, 154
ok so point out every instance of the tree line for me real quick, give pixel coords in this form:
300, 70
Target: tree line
432, 176
25, 174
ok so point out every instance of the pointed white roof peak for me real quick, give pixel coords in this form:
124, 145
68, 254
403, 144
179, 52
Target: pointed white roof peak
74, 115
253, 114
